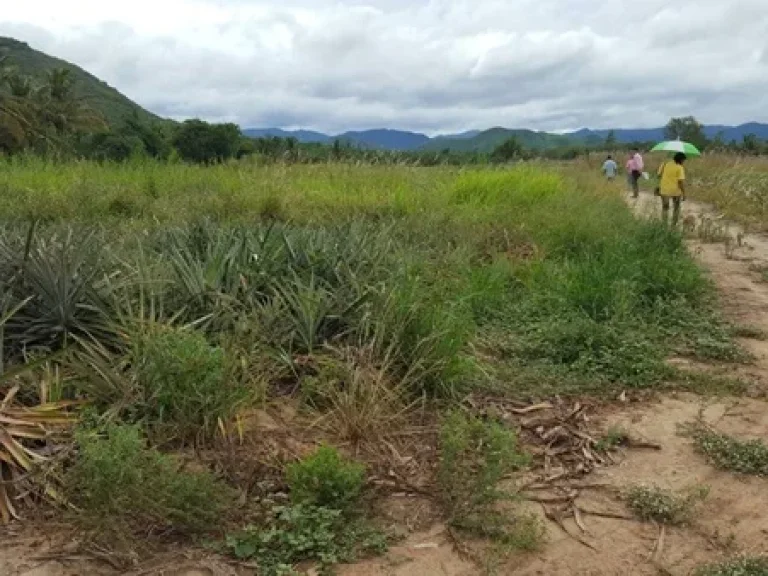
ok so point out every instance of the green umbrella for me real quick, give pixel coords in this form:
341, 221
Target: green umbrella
677, 146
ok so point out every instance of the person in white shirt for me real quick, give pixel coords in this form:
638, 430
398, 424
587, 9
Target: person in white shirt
610, 168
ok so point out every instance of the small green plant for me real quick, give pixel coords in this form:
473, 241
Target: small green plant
744, 566
305, 533
326, 479
748, 457
185, 383
119, 485
475, 456
612, 439
651, 503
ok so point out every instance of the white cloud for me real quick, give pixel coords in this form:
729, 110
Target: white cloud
432, 65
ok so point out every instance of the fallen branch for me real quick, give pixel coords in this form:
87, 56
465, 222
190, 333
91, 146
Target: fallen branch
534, 408
658, 548
559, 521
604, 514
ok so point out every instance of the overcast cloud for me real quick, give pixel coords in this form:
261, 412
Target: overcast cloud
427, 65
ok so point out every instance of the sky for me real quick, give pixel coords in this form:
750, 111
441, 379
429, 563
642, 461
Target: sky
435, 66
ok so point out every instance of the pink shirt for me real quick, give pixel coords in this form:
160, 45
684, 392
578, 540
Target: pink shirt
635, 164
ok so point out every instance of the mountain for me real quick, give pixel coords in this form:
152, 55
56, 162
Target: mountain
488, 140
113, 105
737, 133
306, 136
460, 136
621, 134
728, 133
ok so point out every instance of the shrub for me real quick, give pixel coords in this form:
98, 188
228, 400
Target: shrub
663, 506
474, 458
119, 484
184, 381
326, 479
301, 533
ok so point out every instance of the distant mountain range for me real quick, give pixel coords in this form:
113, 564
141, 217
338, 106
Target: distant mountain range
487, 140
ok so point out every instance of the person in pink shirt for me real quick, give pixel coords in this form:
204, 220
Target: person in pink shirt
635, 167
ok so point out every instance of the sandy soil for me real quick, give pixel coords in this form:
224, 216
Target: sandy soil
732, 519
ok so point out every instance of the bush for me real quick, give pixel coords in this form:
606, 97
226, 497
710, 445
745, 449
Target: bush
663, 506
185, 383
120, 485
326, 479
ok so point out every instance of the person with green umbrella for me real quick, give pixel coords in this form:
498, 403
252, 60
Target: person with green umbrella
672, 186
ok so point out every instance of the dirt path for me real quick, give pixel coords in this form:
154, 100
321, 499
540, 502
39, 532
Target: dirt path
732, 519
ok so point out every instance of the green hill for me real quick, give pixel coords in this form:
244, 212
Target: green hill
100, 96
488, 140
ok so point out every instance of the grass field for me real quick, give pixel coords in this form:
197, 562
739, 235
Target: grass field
172, 298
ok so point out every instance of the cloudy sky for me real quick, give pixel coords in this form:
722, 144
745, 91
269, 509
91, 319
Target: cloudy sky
428, 65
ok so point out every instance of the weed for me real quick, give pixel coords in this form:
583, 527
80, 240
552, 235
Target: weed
663, 506
122, 487
326, 479
743, 566
728, 453
302, 533
356, 398
184, 381
475, 456
272, 209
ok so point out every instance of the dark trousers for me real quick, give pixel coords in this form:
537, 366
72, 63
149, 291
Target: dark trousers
636, 183
665, 209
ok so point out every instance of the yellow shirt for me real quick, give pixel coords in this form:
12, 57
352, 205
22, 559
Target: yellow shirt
671, 173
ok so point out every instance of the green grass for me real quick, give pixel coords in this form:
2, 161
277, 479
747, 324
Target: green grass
550, 281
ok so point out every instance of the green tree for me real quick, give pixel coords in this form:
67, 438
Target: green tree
688, 129
507, 150
610, 140
42, 117
199, 141
751, 144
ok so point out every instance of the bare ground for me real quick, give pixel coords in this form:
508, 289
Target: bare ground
731, 520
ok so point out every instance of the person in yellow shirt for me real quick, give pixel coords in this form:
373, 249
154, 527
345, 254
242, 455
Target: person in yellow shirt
672, 186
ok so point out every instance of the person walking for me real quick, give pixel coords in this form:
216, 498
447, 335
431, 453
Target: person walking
672, 187
635, 167
628, 170
610, 168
